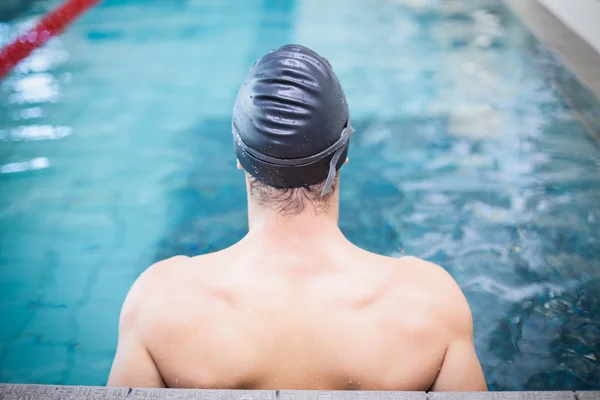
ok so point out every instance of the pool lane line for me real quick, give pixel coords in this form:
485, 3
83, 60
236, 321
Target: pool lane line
50, 25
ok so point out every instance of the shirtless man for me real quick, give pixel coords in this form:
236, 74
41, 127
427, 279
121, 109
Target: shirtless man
294, 304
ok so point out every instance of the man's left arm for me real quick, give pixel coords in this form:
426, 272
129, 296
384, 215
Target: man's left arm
460, 369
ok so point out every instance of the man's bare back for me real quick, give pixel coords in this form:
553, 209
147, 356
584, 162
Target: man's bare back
297, 313
295, 305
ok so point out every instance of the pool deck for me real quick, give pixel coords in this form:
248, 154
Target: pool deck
45, 392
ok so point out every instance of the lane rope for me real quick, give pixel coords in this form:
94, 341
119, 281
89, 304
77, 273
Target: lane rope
50, 25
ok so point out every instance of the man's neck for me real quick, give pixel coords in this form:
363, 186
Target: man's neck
309, 222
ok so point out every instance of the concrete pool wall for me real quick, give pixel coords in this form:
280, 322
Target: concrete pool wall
581, 16
569, 32
43, 392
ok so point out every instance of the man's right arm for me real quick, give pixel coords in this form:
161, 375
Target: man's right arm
133, 365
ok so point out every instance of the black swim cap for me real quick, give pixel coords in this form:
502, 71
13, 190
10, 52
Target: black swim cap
291, 125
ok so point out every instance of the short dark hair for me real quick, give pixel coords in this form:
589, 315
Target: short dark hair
292, 201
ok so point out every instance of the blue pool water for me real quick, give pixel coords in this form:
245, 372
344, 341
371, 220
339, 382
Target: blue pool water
115, 152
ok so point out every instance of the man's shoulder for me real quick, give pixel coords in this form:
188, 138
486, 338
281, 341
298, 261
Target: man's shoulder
152, 282
438, 291
436, 275
159, 276
158, 290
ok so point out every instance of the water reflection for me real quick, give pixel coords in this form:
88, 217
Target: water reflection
25, 94
46, 58
28, 113
29, 165
35, 132
35, 88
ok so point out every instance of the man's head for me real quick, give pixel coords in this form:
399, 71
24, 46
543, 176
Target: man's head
291, 130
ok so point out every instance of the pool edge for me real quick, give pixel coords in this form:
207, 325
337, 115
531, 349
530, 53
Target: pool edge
577, 79
43, 392
574, 51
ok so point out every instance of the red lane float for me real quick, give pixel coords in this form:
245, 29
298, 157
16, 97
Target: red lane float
50, 25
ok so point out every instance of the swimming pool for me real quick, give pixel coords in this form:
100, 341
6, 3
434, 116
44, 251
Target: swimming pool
115, 151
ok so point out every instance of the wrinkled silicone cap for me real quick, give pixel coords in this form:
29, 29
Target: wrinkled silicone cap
291, 124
